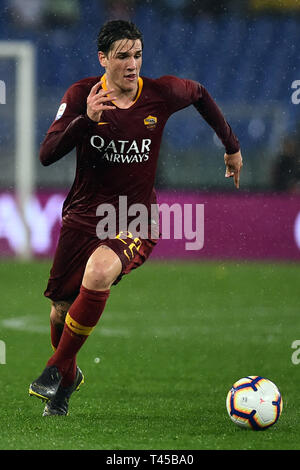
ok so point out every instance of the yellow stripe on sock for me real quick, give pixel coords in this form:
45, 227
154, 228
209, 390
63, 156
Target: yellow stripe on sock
76, 327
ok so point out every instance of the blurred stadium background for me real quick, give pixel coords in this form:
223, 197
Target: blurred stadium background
160, 354
245, 52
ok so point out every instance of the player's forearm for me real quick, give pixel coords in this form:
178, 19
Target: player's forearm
212, 114
58, 144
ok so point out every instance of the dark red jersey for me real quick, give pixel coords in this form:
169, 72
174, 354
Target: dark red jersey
118, 156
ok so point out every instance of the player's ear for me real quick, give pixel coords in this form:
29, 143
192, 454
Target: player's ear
102, 59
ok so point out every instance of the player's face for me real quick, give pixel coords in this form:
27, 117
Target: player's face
122, 64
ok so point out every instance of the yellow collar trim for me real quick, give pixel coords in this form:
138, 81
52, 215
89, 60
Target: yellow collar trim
140, 87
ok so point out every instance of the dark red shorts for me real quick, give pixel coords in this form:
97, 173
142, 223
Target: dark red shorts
73, 251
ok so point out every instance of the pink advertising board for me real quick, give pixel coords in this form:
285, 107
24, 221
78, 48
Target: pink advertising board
241, 226
205, 226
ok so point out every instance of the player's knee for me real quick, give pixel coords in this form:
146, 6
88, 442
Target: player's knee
98, 276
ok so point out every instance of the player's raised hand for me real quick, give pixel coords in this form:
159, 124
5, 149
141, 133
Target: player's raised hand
233, 164
96, 102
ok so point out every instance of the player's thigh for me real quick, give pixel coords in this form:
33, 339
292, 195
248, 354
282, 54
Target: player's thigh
130, 253
102, 269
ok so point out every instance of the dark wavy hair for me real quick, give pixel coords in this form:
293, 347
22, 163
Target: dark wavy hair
114, 31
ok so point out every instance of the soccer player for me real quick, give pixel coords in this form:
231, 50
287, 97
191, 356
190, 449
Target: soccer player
116, 123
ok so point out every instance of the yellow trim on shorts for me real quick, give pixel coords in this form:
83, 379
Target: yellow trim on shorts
76, 327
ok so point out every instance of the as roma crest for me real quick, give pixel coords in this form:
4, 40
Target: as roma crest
150, 122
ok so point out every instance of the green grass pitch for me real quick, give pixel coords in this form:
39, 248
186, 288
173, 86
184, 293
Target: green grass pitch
173, 339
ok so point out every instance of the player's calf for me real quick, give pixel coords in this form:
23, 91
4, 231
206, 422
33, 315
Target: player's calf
58, 314
59, 310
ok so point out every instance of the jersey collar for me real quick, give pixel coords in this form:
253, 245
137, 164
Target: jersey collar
140, 86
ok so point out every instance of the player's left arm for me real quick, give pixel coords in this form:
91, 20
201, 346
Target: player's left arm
212, 114
181, 93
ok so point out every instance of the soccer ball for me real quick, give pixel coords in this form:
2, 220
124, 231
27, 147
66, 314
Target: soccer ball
254, 402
